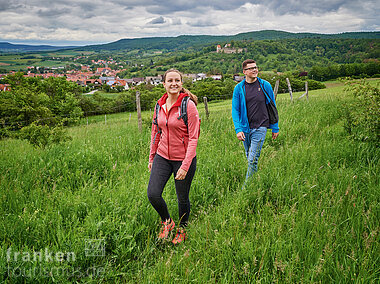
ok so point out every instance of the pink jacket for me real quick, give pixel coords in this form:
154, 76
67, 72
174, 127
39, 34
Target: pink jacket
175, 143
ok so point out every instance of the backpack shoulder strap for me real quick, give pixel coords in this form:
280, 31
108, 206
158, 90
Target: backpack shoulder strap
267, 98
183, 113
155, 122
155, 119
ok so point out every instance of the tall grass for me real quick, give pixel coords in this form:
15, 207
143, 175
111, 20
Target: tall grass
310, 214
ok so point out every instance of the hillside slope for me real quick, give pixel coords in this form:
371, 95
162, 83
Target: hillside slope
310, 215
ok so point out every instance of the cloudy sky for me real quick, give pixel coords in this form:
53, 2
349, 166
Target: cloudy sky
80, 22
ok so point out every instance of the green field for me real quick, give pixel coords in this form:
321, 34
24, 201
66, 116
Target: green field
104, 94
68, 53
311, 214
17, 62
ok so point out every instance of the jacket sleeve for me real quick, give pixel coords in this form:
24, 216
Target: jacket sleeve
236, 109
269, 90
193, 126
154, 140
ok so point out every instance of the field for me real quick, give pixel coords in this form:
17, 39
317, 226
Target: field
16, 63
104, 94
78, 212
21, 61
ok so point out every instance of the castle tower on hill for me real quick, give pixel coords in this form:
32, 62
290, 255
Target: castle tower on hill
228, 49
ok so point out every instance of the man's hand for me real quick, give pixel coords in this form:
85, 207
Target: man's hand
274, 135
150, 166
181, 174
240, 136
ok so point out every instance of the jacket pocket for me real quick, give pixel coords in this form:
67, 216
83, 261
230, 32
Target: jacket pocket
183, 143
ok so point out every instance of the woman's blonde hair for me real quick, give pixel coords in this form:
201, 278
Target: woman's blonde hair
193, 97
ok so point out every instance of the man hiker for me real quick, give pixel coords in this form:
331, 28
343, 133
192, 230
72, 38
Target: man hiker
250, 114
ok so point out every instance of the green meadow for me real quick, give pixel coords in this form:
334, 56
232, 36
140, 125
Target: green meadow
78, 212
104, 94
21, 61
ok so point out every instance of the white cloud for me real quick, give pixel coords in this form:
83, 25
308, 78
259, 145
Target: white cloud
159, 20
201, 23
105, 21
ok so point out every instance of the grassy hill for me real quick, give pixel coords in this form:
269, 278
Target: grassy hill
311, 214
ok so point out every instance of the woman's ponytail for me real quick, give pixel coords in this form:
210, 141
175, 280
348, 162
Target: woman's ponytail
193, 97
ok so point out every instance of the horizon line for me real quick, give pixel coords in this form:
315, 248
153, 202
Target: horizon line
68, 43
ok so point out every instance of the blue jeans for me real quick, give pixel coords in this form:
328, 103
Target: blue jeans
252, 144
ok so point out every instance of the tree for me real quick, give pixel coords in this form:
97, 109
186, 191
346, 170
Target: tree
362, 116
38, 105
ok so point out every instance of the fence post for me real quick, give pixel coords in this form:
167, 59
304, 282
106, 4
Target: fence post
276, 88
206, 106
290, 89
306, 91
138, 105
105, 119
130, 115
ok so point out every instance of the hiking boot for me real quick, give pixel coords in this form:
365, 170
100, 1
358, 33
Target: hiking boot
166, 227
180, 236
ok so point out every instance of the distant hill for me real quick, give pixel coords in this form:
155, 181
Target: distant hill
196, 41
272, 34
10, 47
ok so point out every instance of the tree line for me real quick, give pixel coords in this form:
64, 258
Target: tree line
272, 55
355, 70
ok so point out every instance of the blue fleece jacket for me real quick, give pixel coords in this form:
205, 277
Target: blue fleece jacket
239, 108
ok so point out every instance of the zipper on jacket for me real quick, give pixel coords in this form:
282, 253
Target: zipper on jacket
183, 143
167, 127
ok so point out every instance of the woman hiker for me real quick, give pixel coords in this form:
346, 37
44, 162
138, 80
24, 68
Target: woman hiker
175, 131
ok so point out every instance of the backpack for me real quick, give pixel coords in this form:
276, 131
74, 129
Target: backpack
183, 116
271, 108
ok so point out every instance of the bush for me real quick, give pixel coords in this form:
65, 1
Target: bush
356, 70
362, 116
43, 135
315, 85
297, 84
36, 109
125, 102
49, 102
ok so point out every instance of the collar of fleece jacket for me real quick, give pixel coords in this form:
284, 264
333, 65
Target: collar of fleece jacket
163, 99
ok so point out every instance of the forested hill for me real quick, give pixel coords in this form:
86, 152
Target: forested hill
196, 41
10, 47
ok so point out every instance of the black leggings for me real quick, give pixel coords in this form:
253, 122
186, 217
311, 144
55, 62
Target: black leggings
162, 169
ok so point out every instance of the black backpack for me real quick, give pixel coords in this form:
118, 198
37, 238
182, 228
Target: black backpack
183, 115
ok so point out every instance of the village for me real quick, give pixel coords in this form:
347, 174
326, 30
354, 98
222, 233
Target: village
95, 78
107, 76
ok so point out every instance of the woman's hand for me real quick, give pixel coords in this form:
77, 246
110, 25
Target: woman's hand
150, 166
181, 174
